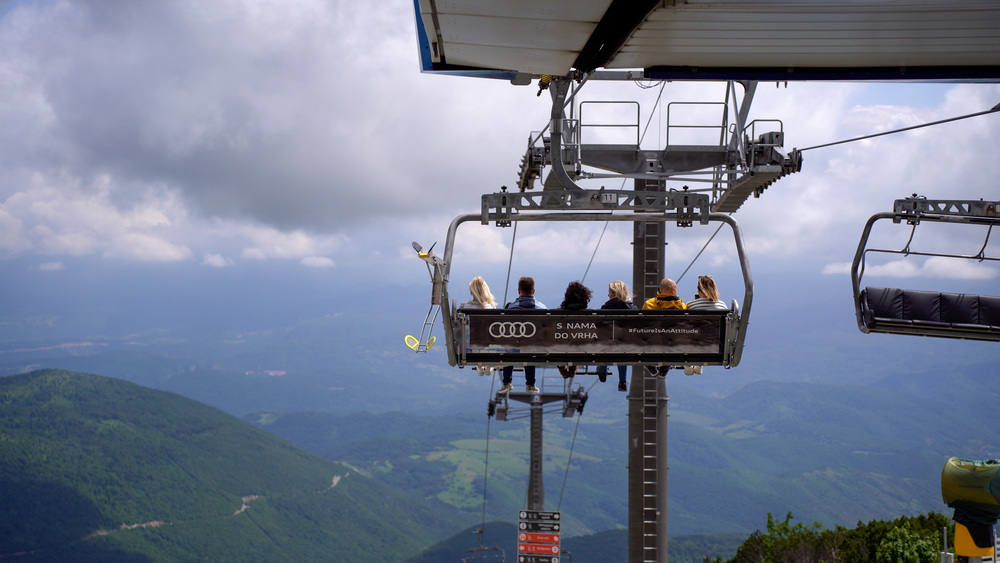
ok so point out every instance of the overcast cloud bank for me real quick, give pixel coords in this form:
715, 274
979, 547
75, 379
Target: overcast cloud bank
303, 132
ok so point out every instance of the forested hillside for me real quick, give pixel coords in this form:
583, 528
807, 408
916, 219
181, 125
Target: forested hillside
99, 469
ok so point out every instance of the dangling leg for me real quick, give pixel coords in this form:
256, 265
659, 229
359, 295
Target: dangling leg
529, 379
508, 378
602, 373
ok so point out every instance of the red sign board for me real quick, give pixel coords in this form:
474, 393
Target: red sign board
537, 548
537, 538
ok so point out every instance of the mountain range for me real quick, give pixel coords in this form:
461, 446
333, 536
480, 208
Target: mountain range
819, 420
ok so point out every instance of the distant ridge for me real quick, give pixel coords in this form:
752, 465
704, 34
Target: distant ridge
99, 469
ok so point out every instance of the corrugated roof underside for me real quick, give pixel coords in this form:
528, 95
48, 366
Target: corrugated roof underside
816, 34
545, 36
533, 36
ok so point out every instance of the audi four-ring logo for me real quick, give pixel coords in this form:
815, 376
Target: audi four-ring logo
510, 329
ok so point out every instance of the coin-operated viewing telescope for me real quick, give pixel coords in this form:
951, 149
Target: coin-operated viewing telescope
972, 488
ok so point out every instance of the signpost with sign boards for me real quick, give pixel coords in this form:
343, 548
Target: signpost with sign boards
538, 536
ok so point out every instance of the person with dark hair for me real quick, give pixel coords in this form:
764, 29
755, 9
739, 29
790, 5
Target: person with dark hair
525, 300
526, 287
619, 297
577, 298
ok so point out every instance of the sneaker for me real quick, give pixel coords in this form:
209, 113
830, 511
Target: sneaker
697, 370
567, 371
531, 389
622, 386
688, 370
602, 374
506, 387
482, 370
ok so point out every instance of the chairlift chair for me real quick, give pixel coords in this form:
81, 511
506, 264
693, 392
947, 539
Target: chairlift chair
484, 554
548, 338
928, 313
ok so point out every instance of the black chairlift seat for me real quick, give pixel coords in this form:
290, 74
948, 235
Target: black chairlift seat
928, 313
553, 337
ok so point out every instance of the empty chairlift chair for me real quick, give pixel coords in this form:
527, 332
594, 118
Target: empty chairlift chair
928, 313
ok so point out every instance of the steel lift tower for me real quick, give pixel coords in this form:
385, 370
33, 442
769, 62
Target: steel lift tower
743, 164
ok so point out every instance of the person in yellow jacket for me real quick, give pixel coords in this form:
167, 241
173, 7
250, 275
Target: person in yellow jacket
666, 298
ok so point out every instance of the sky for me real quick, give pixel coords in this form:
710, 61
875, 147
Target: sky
302, 136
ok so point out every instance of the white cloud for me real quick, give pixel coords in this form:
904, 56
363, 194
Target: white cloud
270, 243
12, 236
932, 267
253, 254
217, 261
317, 262
62, 216
146, 248
836, 268
50, 266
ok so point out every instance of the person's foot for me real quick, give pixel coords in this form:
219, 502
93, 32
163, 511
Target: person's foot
688, 370
506, 388
697, 370
602, 375
622, 386
531, 389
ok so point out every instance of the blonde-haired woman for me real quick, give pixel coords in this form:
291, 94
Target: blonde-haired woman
706, 298
482, 298
619, 297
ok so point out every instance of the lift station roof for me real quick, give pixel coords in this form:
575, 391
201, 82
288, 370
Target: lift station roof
907, 40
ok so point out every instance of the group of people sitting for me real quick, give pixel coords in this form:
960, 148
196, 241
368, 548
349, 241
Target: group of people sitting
577, 298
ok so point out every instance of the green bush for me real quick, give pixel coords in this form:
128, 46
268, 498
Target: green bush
904, 540
903, 546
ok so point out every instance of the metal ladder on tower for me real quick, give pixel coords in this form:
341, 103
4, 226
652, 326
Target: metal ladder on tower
649, 241
652, 256
650, 473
